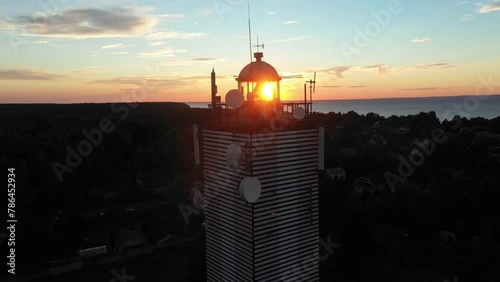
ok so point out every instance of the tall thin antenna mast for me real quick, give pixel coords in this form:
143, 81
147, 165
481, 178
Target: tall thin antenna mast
249, 31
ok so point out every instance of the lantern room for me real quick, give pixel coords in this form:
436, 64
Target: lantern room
257, 97
259, 81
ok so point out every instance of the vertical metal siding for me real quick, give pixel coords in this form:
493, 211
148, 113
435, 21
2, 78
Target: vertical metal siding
275, 239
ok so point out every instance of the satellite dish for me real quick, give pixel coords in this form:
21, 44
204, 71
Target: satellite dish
250, 189
299, 113
235, 98
233, 156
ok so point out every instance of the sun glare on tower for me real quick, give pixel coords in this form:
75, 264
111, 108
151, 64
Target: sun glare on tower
268, 91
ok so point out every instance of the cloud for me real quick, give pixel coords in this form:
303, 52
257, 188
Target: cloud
7, 24
382, 69
207, 12
113, 46
337, 71
271, 13
204, 59
160, 43
87, 70
430, 66
329, 86
426, 89
174, 35
341, 71
418, 67
467, 17
488, 8
170, 52
28, 74
171, 16
358, 86
119, 53
297, 38
40, 42
154, 82
291, 22
179, 62
421, 67
85, 23
420, 40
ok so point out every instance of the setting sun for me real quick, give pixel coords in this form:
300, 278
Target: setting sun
268, 91
154, 49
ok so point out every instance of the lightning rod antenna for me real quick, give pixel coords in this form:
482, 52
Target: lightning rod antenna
249, 31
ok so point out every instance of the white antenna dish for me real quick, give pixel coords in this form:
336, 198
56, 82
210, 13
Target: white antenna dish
299, 113
233, 156
250, 189
235, 98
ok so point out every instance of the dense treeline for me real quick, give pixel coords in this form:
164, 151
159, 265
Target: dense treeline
453, 187
56, 214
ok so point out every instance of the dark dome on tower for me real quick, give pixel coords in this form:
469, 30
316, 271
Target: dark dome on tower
258, 71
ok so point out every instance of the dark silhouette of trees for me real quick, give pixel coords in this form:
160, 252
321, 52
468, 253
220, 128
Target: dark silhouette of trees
455, 189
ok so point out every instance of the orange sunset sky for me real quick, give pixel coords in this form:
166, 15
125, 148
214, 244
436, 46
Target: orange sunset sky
68, 51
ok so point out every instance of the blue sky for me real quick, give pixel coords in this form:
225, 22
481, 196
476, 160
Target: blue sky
163, 50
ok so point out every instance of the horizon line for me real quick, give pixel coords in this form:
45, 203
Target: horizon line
382, 98
199, 102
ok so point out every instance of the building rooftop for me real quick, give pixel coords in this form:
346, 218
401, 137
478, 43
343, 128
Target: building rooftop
258, 71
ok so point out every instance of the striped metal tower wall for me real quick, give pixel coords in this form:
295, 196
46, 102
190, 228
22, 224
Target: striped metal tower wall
228, 218
275, 238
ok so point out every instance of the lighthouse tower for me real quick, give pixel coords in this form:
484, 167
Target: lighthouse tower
260, 166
